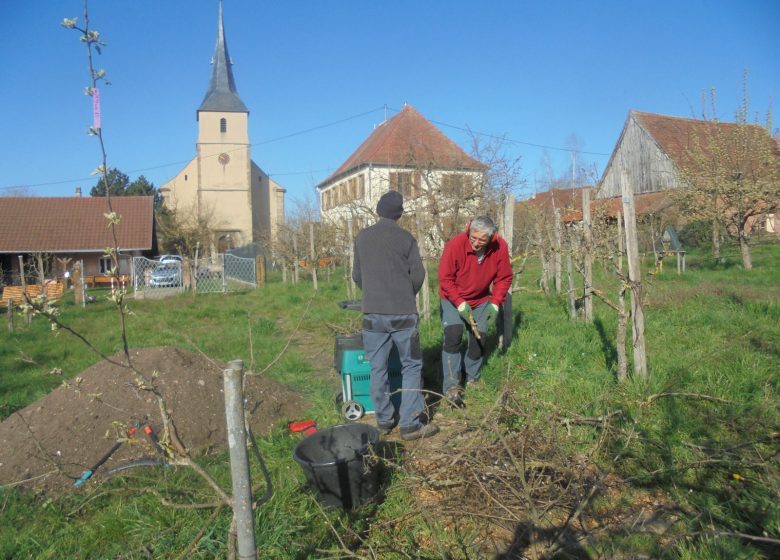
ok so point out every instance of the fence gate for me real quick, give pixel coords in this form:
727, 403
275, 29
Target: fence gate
156, 278
216, 273
225, 273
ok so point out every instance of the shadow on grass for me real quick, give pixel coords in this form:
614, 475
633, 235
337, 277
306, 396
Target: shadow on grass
432, 368
608, 347
569, 546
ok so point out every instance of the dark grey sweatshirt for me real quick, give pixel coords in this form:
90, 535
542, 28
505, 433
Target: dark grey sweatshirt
388, 268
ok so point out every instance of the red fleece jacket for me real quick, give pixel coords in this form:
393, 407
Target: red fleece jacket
463, 278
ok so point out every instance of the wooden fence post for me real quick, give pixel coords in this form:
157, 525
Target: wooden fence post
587, 257
426, 287
509, 222
239, 460
10, 315
27, 314
557, 253
312, 257
351, 288
260, 270
570, 276
295, 258
634, 276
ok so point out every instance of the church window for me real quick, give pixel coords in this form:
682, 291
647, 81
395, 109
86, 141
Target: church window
223, 125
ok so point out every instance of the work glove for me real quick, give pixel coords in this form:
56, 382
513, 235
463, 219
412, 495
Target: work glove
492, 311
464, 310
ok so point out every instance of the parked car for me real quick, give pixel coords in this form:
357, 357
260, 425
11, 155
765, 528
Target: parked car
170, 258
166, 275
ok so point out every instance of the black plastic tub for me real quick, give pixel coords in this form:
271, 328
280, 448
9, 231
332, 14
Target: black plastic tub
334, 461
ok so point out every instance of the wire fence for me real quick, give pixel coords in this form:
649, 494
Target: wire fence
171, 275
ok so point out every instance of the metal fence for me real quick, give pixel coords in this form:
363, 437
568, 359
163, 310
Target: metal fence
171, 275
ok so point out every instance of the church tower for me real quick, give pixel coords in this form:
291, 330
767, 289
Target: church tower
222, 185
223, 152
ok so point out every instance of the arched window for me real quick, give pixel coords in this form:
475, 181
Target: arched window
223, 125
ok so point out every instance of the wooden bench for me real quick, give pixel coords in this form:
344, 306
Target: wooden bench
103, 280
54, 290
16, 293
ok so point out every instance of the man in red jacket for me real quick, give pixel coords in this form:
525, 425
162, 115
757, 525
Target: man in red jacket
472, 263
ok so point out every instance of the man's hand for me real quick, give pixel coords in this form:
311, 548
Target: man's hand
492, 311
464, 310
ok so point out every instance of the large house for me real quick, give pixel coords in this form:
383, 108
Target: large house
67, 230
406, 153
222, 184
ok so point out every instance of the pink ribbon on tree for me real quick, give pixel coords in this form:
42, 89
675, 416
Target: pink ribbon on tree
96, 108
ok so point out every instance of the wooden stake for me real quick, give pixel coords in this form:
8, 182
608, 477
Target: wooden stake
587, 257
239, 460
312, 257
634, 276
557, 253
426, 287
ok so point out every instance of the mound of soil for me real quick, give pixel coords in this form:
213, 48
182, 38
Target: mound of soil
50, 443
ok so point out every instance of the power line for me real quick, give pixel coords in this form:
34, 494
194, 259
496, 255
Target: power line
277, 139
312, 129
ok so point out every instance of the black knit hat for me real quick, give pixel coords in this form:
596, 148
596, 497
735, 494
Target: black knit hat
391, 205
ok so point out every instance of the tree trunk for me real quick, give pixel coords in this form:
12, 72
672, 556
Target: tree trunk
744, 247
715, 240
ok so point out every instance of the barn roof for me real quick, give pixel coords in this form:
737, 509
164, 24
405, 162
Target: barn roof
407, 140
678, 136
74, 224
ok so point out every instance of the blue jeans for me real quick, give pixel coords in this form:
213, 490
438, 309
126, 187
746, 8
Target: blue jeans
379, 334
451, 359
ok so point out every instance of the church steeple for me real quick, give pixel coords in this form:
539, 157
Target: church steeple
222, 95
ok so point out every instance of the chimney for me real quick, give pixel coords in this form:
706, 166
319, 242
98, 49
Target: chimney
78, 192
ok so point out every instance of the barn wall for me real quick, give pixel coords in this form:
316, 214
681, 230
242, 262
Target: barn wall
649, 168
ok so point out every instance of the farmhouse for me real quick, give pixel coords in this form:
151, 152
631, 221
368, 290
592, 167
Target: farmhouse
406, 153
67, 230
222, 184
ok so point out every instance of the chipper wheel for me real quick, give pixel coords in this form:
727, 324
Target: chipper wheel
352, 410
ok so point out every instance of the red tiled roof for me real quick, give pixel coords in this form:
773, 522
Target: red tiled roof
408, 139
677, 136
569, 202
74, 224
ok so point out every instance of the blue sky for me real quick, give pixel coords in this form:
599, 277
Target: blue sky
535, 72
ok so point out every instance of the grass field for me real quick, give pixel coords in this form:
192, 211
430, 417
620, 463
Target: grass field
700, 437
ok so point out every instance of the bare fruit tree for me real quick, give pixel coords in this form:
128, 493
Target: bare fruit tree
732, 176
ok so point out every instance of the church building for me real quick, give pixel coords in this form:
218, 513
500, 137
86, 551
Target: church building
222, 185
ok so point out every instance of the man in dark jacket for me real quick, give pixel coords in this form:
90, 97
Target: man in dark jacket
474, 277
389, 271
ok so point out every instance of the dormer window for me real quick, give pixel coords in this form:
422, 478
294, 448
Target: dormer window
223, 125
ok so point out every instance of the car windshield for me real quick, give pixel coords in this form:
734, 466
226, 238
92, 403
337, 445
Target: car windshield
166, 268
